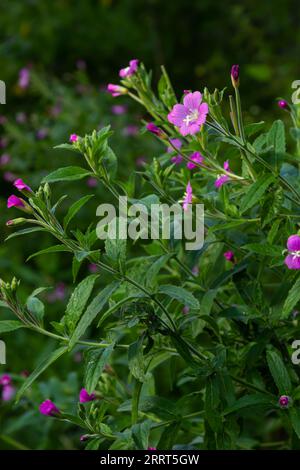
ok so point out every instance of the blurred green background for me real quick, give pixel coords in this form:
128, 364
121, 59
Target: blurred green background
72, 50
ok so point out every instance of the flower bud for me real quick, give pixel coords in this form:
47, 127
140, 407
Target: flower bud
151, 127
284, 401
18, 221
235, 76
283, 104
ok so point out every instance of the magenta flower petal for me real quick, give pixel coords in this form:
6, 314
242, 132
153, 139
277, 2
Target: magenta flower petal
292, 262
188, 197
130, 69
8, 392
20, 185
192, 100
293, 243
177, 115
5, 379
177, 144
221, 180
85, 397
48, 408
195, 158
14, 201
229, 255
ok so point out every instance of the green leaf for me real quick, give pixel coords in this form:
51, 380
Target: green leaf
115, 248
169, 435
75, 208
40, 369
96, 359
67, 147
276, 137
264, 249
255, 192
10, 325
68, 173
50, 249
136, 359
253, 128
78, 301
212, 400
155, 267
291, 300
36, 307
295, 420
208, 301
92, 311
140, 434
279, 372
247, 401
181, 294
25, 231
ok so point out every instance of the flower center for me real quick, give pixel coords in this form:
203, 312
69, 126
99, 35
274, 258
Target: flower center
193, 116
296, 254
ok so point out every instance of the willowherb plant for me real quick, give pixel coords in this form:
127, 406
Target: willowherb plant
219, 322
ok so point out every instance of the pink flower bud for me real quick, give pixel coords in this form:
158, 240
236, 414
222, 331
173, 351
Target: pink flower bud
235, 75
14, 201
284, 401
130, 69
48, 408
8, 392
151, 127
283, 104
5, 379
21, 186
85, 397
116, 90
229, 255
73, 138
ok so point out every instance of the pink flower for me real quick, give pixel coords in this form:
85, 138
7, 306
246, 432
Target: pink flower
229, 255
84, 438
190, 115
85, 397
24, 78
116, 90
14, 201
188, 196
185, 309
151, 448
21, 117
21, 186
284, 401
235, 75
73, 138
283, 104
292, 260
177, 159
195, 157
42, 134
222, 179
8, 392
130, 70
4, 159
92, 182
3, 142
151, 127
59, 293
93, 268
48, 408
5, 379
130, 130
118, 109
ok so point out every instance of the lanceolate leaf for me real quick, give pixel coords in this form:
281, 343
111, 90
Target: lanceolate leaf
279, 372
69, 173
10, 325
75, 208
181, 294
40, 369
92, 311
292, 299
255, 192
78, 301
96, 359
25, 231
51, 249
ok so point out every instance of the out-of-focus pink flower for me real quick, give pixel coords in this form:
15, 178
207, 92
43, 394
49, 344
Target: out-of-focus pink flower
92, 182
195, 158
24, 78
59, 293
188, 196
9, 176
48, 408
21, 186
283, 104
85, 397
195, 270
130, 130
177, 159
14, 201
130, 69
222, 179
73, 138
119, 109
3, 142
93, 268
185, 309
116, 90
8, 392
140, 161
42, 134
4, 159
3, 120
189, 116
151, 448
81, 64
151, 127
292, 260
5, 379
56, 110
21, 117
229, 255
